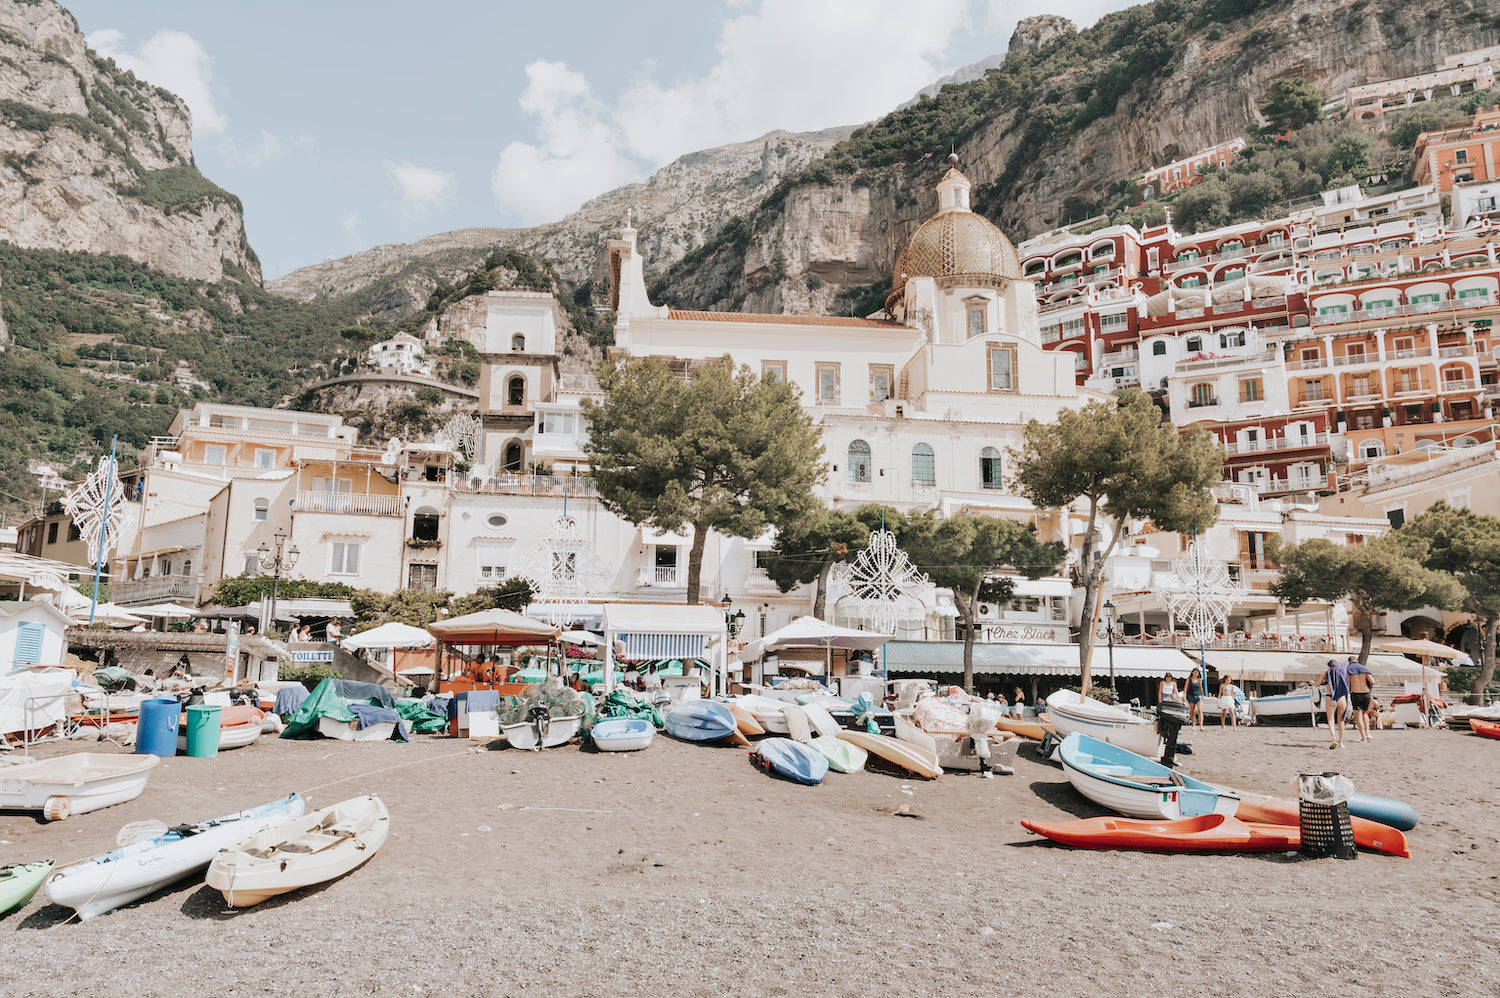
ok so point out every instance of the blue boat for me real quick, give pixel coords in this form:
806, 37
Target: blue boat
790, 760
622, 734
700, 721
1136, 787
1395, 813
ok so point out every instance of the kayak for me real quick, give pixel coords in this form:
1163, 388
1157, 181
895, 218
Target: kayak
18, 883
1395, 813
1035, 730
1367, 834
1480, 726
842, 756
1204, 833
909, 757
790, 760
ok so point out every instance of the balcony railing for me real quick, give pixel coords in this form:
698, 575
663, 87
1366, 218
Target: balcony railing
1399, 311
350, 503
664, 576
1100, 276
1461, 350
528, 485
1202, 403
1315, 400
1311, 364
1302, 483
138, 592
1356, 359
1278, 443
1460, 385
1205, 261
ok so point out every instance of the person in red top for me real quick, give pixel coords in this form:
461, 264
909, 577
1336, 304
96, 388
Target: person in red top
1360, 682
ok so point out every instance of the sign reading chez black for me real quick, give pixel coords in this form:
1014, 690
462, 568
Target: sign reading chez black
1026, 632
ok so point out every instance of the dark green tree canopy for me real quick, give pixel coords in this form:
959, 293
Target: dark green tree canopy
1293, 102
1465, 545
807, 549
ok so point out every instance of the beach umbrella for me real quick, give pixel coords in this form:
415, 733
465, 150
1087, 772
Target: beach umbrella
810, 632
392, 635
1423, 647
581, 638
164, 610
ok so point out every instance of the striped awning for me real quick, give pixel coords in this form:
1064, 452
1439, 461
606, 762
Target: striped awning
658, 646
1003, 659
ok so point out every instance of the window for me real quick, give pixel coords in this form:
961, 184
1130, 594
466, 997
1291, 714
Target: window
343, 558
880, 382
1371, 449
490, 561
518, 342
496, 520
1396, 516
187, 567
1312, 390
665, 567
859, 461
1002, 370
1275, 240
976, 322
1202, 394
421, 577
1237, 274
559, 422
1191, 282
1159, 348
1236, 339
1194, 344
29, 635
512, 460
73, 532
166, 566
1355, 352
262, 508
52, 532
1474, 293
923, 465
252, 566
1073, 327
1359, 385
989, 468
1251, 390
265, 458
213, 454
515, 391
1114, 323
828, 384
773, 370
1460, 155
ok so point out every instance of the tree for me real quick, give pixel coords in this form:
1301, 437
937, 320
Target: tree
510, 594
1466, 545
964, 554
1204, 206
1293, 103
807, 549
1126, 464
417, 607
719, 449
1374, 578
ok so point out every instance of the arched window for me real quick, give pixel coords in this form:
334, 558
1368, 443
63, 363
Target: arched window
512, 459
1371, 449
187, 567
424, 524
923, 467
262, 507
1159, 349
989, 468
518, 341
859, 461
515, 391
1202, 394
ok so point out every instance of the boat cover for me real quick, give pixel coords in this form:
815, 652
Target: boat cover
328, 701
369, 714
422, 719
289, 698
623, 703
33, 698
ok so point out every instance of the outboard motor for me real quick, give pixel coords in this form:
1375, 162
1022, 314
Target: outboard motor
1170, 717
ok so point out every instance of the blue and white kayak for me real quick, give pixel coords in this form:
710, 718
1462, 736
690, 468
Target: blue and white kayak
106, 882
1135, 786
1394, 813
700, 721
622, 734
790, 760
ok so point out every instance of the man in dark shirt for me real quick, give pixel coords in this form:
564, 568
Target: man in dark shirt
1360, 682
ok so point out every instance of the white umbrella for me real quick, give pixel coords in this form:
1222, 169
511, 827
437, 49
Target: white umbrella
581, 638
107, 614
392, 635
810, 632
164, 610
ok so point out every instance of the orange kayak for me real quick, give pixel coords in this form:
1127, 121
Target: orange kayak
745, 721
1205, 833
231, 716
1367, 834
1489, 729
1035, 730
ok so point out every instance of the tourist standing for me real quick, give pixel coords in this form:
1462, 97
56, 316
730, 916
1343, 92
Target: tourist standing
1227, 703
1335, 685
1360, 685
335, 631
1195, 700
1018, 707
1166, 690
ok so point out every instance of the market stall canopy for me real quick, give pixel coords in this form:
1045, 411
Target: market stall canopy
1420, 646
810, 632
392, 635
1299, 667
164, 610
492, 627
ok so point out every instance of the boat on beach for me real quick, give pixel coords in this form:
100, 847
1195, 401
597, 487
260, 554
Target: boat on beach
239, 725
1367, 834
1482, 726
701, 721
19, 883
1136, 786
1071, 714
622, 734
541, 730
1294, 706
300, 852
1204, 833
74, 784
907, 756
790, 760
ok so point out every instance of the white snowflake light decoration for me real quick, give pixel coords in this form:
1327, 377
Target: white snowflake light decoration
880, 587
97, 505
564, 574
462, 432
1205, 594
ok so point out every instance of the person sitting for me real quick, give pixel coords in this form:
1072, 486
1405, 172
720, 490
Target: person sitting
652, 679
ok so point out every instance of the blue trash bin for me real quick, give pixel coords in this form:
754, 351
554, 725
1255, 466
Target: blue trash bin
156, 730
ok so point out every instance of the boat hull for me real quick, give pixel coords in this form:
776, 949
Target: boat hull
1480, 726
1367, 834
1397, 814
1137, 787
623, 734
1034, 730
903, 754
524, 735
791, 760
301, 852
75, 784
1296, 704
1105, 723
117, 878
701, 721
350, 731
19, 883
1205, 833
842, 756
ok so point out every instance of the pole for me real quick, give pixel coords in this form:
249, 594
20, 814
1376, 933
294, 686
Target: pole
1110, 627
109, 489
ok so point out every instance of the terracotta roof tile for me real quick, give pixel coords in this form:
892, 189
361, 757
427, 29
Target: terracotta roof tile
785, 320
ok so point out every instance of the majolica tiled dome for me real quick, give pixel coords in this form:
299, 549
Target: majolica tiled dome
953, 246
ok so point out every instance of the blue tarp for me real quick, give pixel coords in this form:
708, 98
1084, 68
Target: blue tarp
369, 714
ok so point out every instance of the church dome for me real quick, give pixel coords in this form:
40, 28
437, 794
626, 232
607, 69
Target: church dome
956, 246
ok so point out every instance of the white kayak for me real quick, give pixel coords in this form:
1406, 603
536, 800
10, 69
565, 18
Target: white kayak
106, 882
312, 849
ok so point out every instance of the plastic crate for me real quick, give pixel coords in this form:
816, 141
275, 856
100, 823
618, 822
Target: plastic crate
1326, 830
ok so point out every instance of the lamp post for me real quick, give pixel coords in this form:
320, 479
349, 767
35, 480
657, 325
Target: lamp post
1109, 629
275, 562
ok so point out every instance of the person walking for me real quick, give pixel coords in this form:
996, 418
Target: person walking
1360, 687
1166, 690
1335, 684
1227, 703
1195, 700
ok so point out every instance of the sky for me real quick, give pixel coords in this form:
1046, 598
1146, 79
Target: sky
345, 124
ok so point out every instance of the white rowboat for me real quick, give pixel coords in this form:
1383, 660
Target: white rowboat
312, 849
74, 784
1136, 787
1106, 723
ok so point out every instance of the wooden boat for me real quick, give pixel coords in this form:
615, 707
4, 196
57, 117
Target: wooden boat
239, 725
312, 849
18, 883
1070, 714
622, 734
542, 731
1481, 726
1299, 703
1367, 834
790, 760
74, 784
1035, 730
117, 878
903, 754
701, 721
745, 720
1397, 814
1137, 787
1204, 833
842, 756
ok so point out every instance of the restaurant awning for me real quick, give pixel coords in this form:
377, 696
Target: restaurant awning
1001, 659
1301, 667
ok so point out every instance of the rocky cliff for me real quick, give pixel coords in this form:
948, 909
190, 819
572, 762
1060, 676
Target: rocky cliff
677, 210
98, 161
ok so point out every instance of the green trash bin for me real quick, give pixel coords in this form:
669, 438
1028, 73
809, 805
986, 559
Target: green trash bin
202, 731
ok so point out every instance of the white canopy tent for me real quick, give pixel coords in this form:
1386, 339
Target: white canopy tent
392, 635
645, 629
810, 632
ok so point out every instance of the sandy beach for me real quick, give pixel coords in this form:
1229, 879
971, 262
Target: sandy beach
684, 871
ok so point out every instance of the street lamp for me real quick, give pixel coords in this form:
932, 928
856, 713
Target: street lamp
275, 563
1109, 628
734, 621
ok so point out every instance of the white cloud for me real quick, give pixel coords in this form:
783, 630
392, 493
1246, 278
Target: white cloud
171, 59
421, 187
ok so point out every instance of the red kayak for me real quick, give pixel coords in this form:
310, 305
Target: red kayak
1367, 834
1489, 729
1205, 833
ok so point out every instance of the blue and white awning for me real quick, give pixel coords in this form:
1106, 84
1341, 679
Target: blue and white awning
657, 646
